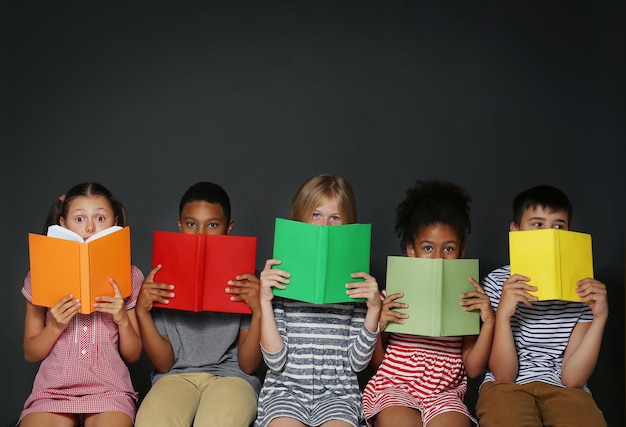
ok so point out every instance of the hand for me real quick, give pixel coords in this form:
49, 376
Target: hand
113, 305
389, 314
478, 300
152, 292
246, 287
367, 289
272, 278
515, 290
63, 311
593, 293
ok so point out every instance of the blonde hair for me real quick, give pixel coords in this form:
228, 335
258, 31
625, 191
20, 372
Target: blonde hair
318, 190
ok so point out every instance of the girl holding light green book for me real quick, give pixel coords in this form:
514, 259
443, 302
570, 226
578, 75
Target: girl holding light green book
422, 380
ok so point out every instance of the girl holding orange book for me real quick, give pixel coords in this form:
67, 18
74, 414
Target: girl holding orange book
82, 377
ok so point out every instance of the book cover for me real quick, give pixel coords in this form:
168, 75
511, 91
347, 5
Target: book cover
61, 264
553, 259
320, 259
432, 288
200, 266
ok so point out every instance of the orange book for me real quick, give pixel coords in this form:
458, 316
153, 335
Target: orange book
61, 264
200, 266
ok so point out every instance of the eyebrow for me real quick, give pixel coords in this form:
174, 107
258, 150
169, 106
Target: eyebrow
541, 218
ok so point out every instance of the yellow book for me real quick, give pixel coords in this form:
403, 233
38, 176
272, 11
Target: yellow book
553, 259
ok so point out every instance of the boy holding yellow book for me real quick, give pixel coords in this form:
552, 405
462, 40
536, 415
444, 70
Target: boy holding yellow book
544, 350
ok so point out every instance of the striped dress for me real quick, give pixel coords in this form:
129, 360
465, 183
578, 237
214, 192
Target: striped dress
424, 373
541, 332
313, 377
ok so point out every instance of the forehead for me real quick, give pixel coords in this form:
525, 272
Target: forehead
437, 232
202, 209
89, 202
542, 212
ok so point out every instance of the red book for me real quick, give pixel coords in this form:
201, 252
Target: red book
200, 266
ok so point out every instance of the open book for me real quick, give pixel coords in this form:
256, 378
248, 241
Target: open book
320, 259
432, 288
200, 266
553, 259
61, 264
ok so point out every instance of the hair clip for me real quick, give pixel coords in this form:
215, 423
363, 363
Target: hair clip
62, 198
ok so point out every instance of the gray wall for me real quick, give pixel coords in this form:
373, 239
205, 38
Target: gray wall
258, 96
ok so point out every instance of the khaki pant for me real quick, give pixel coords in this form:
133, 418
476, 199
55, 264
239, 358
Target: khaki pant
198, 400
536, 404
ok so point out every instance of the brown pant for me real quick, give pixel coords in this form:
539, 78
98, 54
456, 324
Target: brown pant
536, 404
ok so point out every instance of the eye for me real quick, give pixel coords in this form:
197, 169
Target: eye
79, 219
335, 218
213, 225
427, 248
449, 249
537, 224
316, 215
190, 224
558, 226
101, 218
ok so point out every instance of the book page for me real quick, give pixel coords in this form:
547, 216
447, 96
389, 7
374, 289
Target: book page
65, 233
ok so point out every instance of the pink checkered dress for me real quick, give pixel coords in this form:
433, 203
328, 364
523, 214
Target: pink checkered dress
84, 372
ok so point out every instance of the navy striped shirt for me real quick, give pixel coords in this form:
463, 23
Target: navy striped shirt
541, 332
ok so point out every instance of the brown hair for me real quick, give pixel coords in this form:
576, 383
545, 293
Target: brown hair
59, 208
320, 189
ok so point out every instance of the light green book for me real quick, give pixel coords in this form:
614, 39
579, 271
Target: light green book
432, 288
553, 259
320, 259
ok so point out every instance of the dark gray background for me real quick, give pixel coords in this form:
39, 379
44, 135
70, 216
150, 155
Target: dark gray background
148, 98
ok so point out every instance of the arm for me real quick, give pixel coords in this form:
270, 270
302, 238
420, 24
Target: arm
271, 341
361, 349
581, 354
387, 314
503, 361
246, 288
157, 346
126, 321
476, 350
39, 337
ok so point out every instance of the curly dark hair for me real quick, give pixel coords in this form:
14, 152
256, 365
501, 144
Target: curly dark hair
433, 202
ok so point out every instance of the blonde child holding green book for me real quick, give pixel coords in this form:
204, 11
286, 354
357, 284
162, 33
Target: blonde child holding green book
312, 351
423, 380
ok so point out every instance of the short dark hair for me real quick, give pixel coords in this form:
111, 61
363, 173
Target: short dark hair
546, 196
59, 207
433, 202
206, 192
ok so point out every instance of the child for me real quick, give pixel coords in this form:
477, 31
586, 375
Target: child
82, 374
203, 362
422, 380
538, 378
313, 352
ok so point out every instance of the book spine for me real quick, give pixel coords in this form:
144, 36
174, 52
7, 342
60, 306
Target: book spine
86, 303
322, 266
437, 312
201, 263
558, 267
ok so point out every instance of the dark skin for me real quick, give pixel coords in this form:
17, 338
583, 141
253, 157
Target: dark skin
199, 217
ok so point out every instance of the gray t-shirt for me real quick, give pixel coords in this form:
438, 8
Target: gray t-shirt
203, 342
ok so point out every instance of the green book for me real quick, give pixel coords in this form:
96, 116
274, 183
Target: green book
432, 288
320, 259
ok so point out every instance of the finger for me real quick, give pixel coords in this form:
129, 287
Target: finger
116, 288
150, 276
476, 285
